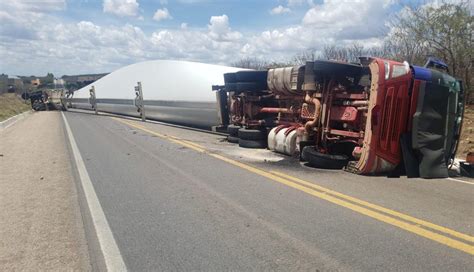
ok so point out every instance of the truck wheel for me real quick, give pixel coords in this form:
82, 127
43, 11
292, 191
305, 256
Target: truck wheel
251, 76
252, 134
233, 130
324, 161
252, 143
232, 139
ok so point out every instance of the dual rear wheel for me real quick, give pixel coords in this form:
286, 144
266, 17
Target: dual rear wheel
247, 138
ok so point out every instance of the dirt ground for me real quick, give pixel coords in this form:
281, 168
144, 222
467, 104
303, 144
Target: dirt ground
467, 135
41, 227
10, 105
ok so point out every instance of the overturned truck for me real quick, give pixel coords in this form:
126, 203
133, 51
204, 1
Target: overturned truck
44, 100
373, 117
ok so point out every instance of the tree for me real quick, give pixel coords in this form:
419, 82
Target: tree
304, 56
444, 31
351, 52
48, 79
251, 63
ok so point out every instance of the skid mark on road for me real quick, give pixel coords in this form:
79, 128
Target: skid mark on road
451, 238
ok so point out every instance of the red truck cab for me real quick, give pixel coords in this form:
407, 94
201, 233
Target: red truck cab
399, 106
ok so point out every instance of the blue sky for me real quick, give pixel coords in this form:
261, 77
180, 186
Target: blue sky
249, 14
89, 36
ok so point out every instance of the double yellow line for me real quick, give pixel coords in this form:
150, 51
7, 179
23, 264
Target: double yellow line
440, 234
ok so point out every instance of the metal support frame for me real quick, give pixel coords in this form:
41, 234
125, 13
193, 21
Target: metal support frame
222, 105
92, 99
139, 101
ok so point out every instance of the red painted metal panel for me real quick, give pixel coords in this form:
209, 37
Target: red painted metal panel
395, 100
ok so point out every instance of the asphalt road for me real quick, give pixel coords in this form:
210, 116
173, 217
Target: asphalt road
200, 203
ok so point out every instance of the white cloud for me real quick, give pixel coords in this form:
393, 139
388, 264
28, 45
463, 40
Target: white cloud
279, 10
350, 19
162, 14
219, 29
121, 7
66, 47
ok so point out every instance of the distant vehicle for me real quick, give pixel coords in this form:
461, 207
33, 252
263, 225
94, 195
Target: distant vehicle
45, 100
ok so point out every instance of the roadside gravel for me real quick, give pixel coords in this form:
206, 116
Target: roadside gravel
41, 226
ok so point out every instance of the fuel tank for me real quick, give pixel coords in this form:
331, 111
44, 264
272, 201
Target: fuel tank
178, 92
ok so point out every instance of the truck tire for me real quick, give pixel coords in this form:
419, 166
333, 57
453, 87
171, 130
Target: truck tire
252, 134
230, 78
232, 139
324, 161
233, 130
252, 143
251, 76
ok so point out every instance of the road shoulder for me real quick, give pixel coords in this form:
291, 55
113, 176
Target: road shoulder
41, 226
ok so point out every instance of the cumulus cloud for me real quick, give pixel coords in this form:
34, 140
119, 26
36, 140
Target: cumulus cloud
162, 14
121, 7
279, 10
350, 19
219, 29
19, 19
65, 47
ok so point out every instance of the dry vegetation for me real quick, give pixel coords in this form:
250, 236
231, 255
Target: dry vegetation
10, 105
467, 136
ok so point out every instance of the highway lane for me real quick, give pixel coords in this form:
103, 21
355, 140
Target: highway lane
172, 207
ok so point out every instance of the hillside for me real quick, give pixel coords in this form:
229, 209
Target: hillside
10, 105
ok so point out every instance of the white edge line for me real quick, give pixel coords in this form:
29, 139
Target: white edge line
112, 257
13, 120
462, 181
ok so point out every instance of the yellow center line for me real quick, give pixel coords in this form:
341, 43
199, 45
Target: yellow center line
330, 196
379, 208
173, 139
